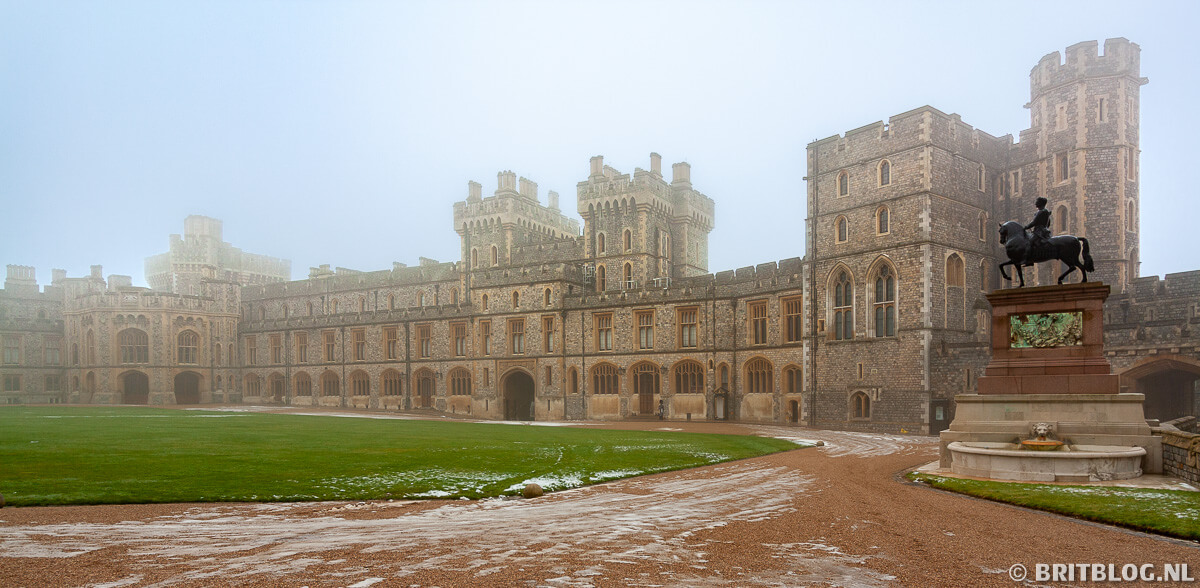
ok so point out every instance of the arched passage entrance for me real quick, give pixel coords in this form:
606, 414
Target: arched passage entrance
135, 388
1169, 383
187, 388
518, 396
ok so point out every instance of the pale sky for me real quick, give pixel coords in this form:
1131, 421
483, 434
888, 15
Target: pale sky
343, 132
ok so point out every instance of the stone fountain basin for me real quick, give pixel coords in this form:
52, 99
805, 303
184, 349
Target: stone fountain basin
1072, 463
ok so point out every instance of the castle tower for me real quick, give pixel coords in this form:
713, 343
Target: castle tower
491, 228
1081, 153
200, 254
642, 229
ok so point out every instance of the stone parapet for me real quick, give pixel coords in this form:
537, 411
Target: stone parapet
1181, 449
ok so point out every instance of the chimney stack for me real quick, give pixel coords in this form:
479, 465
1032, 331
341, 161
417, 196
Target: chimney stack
553, 198
656, 164
506, 181
597, 166
529, 189
474, 192
681, 174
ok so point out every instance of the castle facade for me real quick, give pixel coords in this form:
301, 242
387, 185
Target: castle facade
877, 328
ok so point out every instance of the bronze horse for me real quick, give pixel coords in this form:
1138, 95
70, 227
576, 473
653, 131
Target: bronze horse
1064, 248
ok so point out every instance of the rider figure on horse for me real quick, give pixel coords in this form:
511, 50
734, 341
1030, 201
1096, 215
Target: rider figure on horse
1041, 228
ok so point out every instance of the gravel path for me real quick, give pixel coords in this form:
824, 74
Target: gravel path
829, 516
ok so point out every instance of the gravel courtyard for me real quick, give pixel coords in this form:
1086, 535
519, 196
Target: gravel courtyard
837, 515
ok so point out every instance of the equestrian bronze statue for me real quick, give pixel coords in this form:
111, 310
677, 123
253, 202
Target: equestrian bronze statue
1025, 250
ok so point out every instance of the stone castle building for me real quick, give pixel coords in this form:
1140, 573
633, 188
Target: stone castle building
201, 255
876, 328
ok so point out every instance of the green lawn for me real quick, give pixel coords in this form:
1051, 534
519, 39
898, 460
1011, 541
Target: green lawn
1167, 512
93, 455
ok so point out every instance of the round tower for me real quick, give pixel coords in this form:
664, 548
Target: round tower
1085, 115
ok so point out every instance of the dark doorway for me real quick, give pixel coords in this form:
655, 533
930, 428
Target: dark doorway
645, 386
1170, 394
794, 411
89, 386
135, 388
518, 397
277, 387
425, 390
646, 394
939, 415
187, 388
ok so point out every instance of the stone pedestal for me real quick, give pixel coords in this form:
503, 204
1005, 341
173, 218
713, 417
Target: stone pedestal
1066, 357
1048, 366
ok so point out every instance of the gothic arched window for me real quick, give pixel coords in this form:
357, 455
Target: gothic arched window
135, 346
843, 308
885, 303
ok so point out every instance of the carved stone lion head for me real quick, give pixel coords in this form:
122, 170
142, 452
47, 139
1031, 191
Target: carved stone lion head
1041, 430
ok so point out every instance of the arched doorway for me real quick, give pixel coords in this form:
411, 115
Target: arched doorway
645, 387
135, 388
276, 387
187, 388
1171, 385
720, 405
424, 389
518, 396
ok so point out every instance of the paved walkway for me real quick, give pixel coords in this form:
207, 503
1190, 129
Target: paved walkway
830, 516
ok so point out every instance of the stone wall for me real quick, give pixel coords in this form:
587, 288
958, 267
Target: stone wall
1181, 449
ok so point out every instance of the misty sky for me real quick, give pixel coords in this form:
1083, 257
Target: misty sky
342, 132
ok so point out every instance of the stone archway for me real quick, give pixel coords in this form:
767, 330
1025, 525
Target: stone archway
1171, 384
135, 388
518, 396
187, 388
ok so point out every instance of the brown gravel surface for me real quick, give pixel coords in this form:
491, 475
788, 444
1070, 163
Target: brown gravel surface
837, 515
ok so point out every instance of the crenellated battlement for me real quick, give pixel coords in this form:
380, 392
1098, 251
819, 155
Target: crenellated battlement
547, 272
137, 299
1182, 284
1083, 60
914, 128
556, 250
512, 206
348, 280
440, 312
607, 189
764, 279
